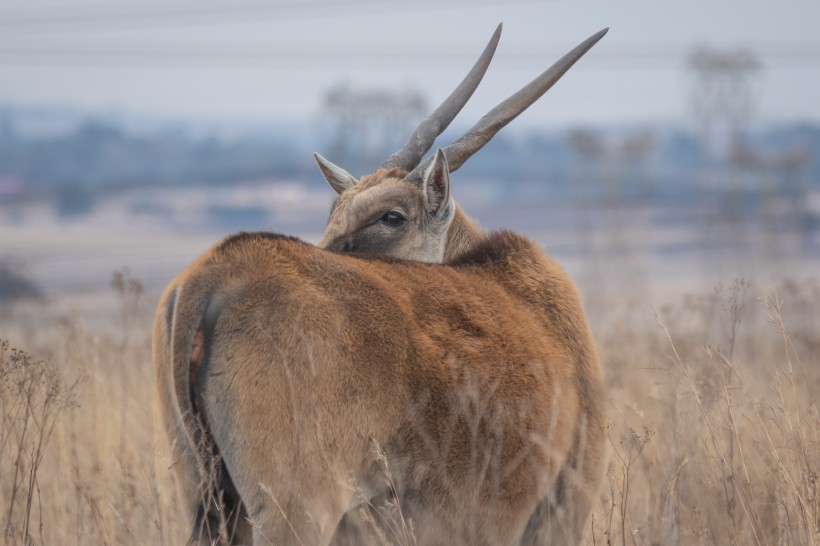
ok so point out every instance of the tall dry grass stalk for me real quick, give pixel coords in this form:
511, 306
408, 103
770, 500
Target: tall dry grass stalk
729, 448
99, 476
33, 398
714, 430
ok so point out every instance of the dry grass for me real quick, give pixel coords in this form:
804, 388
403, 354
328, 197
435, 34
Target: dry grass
102, 478
715, 427
713, 432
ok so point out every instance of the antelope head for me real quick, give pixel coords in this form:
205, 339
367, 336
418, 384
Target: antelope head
405, 208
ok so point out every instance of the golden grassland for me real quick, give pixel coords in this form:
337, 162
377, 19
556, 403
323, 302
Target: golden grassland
714, 433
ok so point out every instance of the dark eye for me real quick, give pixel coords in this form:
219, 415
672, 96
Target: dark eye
393, 218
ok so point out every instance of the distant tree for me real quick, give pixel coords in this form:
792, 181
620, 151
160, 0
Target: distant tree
13, 283
6, 127
368, 125
74, 201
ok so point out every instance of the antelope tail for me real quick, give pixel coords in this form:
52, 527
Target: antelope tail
180, 345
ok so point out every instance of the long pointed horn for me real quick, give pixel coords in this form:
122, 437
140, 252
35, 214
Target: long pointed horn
492, 122
409, 155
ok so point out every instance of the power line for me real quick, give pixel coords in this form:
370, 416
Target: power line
315, 56
135, 15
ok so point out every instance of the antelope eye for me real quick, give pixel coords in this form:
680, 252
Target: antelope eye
393, 218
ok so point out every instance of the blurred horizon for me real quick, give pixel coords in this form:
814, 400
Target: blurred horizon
645, 210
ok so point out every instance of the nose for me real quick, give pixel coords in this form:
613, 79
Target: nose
338, 244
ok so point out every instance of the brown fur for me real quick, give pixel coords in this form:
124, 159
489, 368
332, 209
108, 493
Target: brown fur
453, 237
478, 379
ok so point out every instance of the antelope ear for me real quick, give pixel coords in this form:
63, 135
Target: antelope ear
436, 185
336, 176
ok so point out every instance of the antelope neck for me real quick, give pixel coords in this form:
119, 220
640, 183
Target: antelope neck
463, 234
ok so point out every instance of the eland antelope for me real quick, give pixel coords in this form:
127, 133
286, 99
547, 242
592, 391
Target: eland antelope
298, 383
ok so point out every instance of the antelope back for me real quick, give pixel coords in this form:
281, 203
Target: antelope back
471, 378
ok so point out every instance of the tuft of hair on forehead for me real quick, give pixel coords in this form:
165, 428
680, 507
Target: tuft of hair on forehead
370, 181
380, 176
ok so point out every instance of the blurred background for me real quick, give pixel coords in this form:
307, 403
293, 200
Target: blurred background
683, 151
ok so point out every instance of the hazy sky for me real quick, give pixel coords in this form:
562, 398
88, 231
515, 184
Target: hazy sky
260, 61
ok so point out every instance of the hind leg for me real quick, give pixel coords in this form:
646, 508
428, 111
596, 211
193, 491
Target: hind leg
221, 518
559, 518
278, 516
